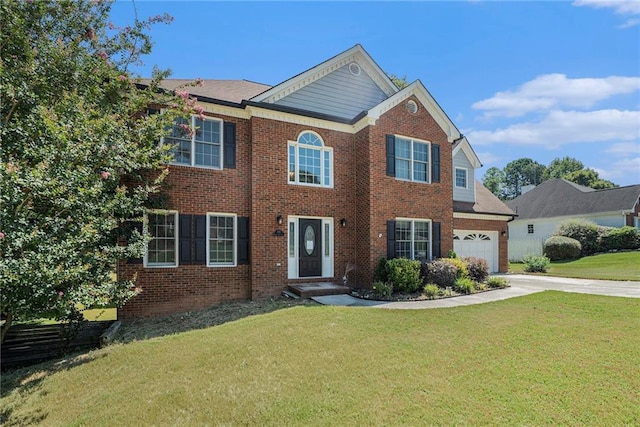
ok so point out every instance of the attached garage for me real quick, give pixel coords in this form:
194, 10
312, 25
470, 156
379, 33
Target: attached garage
480, 244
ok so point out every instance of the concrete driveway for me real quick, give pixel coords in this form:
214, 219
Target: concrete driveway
520, 285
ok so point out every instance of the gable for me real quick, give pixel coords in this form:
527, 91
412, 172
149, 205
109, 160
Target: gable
345, 92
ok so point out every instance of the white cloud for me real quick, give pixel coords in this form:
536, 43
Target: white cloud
556, 90
487, 158
564, 127
627, 169
620, 7
624, 148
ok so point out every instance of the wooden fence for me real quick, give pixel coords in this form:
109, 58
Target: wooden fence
519, 248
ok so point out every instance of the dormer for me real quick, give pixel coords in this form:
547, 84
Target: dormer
465, 162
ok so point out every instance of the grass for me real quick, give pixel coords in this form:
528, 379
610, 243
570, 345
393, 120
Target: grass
610, 266
544, 359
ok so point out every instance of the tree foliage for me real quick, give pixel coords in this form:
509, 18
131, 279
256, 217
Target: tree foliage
400, 82
507, 183
72, 129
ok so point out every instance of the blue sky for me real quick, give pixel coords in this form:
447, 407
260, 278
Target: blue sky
539, 79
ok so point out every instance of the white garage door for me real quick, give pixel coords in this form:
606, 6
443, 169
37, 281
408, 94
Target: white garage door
481, 244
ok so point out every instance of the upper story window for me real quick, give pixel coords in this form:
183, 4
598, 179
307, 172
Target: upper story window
412, 159
310, 161
461, 178
197, 142
162, 250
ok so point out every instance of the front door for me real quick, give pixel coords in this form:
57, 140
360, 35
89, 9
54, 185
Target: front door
310, 256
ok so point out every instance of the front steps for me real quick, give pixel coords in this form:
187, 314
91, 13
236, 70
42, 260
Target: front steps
308, 290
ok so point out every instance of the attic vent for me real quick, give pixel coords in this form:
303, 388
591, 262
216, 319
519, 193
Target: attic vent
354, 69
412, 107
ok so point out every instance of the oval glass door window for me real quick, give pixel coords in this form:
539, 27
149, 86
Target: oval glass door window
309, 239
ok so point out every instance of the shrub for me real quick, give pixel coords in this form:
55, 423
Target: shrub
431, 290
404, 274
478, 268
440, 272
380, 274
561, 247
585, 232
464, 285
382, 289
536, 264
497, 282
460, 265
452, 254
620, 238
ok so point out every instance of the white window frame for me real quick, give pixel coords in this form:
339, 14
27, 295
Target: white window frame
146, 262
234, 263
466, 177
324, 151
411, 160
192, 156
413, 241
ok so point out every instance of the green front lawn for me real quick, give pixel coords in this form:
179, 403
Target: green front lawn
544, 359
611, 266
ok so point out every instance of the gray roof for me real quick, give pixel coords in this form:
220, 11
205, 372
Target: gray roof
486, 203
559, 197
224, 90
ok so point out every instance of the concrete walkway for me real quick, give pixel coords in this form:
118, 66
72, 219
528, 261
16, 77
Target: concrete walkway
520, 285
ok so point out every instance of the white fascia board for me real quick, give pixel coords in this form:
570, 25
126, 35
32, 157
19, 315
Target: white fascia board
356, 53
419, 91
490, 217
586, 216
468, 151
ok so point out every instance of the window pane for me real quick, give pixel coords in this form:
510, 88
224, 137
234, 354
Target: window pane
420, 172
308, 138
326, 240
420, 152
161, 250
207, 131
403, 148
207, 154
309, 169
461, 178
221, 239
292, 240
292, 163
402, 169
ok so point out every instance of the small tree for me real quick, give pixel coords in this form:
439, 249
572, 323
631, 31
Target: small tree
72, 128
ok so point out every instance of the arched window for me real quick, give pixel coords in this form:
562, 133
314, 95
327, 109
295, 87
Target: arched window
310, 162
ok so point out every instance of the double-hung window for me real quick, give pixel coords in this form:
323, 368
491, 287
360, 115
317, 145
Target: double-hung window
412, 159
461, 178
221, 239
310, 161
197, 142
162, 250
413, 239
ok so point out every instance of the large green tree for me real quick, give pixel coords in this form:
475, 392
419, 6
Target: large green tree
589, 178
519, 173
560, 167
73, 129
493, 179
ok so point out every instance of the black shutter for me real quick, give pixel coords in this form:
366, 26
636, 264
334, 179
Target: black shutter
243, 240
184, 239
200, 239
229, 145
137, 225
435, 163
391, 155
391, 239
437, 251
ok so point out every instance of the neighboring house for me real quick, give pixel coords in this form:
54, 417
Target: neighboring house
541, 209
291, 184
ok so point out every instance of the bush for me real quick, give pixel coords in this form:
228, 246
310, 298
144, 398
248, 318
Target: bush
585, 232
620, 238
382, 289
431, 290
404, 274
536, 264
440, 272
460, 265
561, 247
497, 282
478, 268
464, 285
380, 275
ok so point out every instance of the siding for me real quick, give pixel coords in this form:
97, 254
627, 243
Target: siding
463, 194
338, 94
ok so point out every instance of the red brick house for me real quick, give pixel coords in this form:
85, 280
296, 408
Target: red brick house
290, 184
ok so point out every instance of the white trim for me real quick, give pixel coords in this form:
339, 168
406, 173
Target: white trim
412, 221
293, 261
491, 217
411, 161
323, 149
145, 224
468, 152
466, 178
235, 239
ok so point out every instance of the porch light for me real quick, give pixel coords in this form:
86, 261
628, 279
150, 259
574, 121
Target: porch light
279, 219
343, 222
